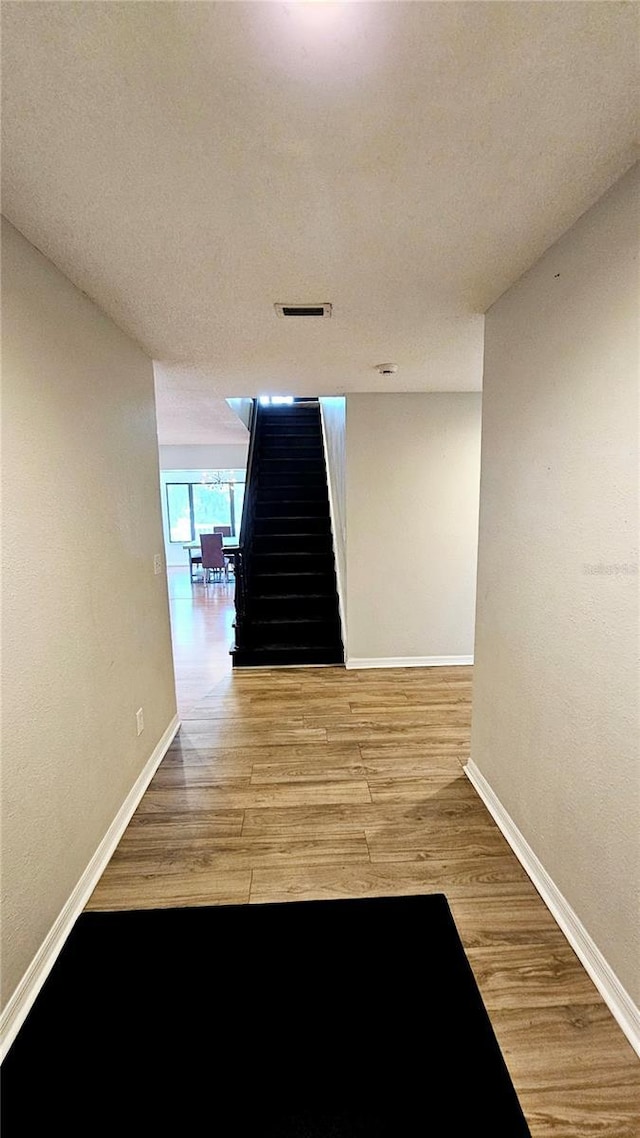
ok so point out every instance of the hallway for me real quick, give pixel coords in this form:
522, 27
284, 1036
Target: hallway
201, 632
322, 782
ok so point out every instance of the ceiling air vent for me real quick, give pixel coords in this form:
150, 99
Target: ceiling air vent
322, 310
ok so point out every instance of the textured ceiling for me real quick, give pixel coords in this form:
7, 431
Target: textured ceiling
190, 164
188, 411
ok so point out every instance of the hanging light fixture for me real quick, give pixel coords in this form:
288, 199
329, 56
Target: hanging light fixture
213, 478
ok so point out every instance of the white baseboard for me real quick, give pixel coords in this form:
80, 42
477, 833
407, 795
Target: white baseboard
18, 1007
617, 999
407, 661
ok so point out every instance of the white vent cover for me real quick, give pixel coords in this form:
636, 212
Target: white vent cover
296, 310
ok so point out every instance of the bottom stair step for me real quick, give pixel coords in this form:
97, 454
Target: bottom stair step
293, 630
285, 655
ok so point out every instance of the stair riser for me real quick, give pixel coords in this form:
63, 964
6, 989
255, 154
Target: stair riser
292, 467
278, 451
293, 432
304, 436
309, 435
290, 414
294, 635
291, 525
270, 512
281, 484
287, 494
292, 543
265, 584
289, 657
291, 563
288, 608
281, 473
298, 424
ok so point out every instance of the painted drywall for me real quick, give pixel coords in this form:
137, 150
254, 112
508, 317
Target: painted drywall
242, 408
333, 414
555, 709
413, 467
86, 636
221, 456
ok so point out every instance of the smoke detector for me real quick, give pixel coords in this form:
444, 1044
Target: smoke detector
387, 369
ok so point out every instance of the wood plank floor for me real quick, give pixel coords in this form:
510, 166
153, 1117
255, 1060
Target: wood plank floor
312, 783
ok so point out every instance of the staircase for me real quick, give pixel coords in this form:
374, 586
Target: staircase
286, 596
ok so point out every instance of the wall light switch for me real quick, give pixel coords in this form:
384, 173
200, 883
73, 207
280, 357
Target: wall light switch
139, 721
157, 563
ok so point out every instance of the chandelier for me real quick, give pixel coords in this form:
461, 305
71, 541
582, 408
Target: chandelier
213, 478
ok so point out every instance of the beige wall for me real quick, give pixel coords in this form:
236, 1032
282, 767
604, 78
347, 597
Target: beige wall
85, 637
413, 463
555, 714
215, 456
243, 409
333, 413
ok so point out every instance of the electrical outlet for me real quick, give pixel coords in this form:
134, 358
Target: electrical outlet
139, 721
157, 563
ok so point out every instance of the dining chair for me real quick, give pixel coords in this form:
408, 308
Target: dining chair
213, 558
226, 532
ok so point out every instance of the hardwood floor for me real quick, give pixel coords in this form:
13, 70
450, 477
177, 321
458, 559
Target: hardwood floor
311, 783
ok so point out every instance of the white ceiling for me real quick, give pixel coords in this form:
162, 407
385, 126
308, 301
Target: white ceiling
190, 164
188, 411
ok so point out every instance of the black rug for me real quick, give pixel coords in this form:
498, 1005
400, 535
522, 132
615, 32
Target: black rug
312, 1019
